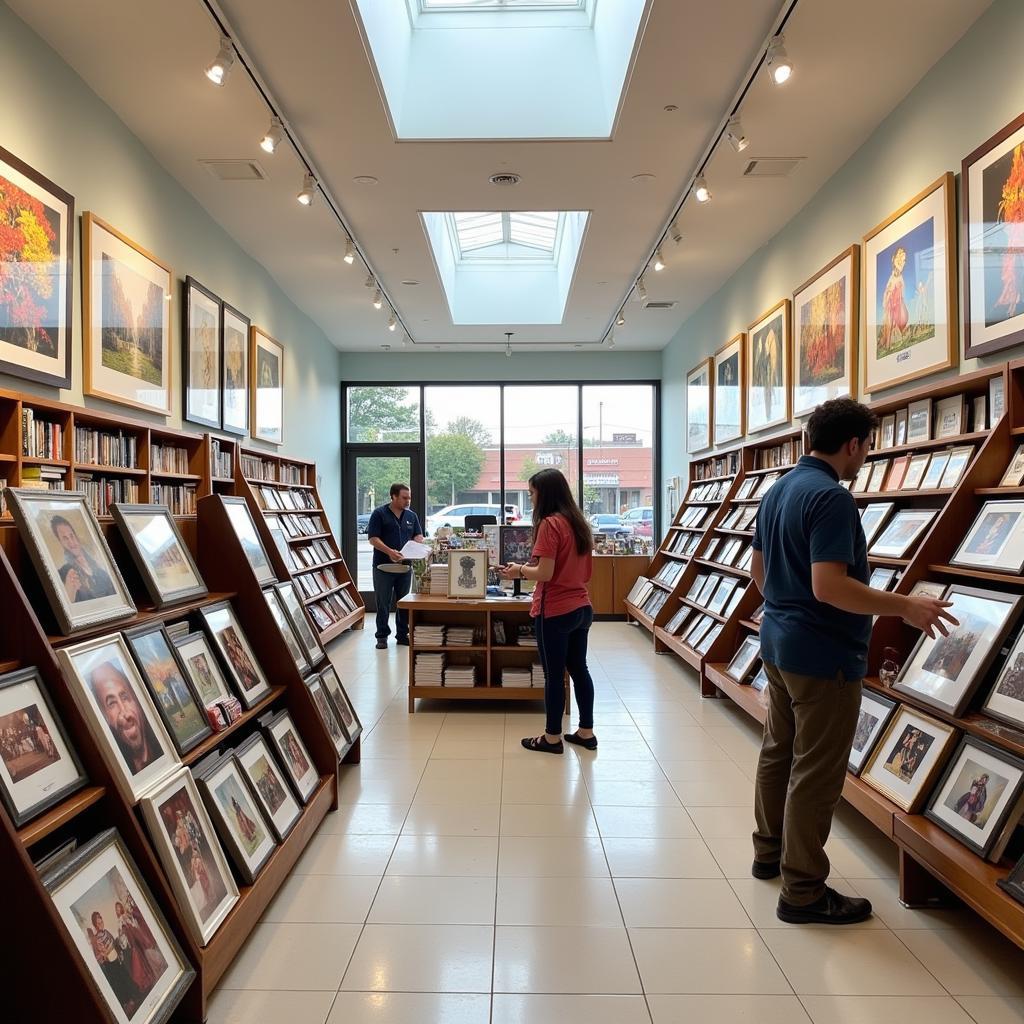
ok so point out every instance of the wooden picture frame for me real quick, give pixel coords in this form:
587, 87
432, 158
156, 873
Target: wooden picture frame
767, 349
266, 782
266, 365
700, 401
235, 369
729, 412
201, 355
286, 741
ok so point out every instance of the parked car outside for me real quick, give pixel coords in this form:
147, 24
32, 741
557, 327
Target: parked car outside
455, 515
610, 525
362, 522
641, 520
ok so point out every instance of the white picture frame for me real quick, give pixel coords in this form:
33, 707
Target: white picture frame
902, 532
995, 540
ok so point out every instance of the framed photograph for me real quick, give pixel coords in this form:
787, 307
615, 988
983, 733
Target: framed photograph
126, 315
996, 400
291, 641
227, 635
910, 301
339, 698
70, 554
882, 579
729, 412
907, 758
995, 540
674, 624
879, 471
860, 485
894, 481
933, 474
901, 428
241, 520
36, 285
698, 630
928, 588
268, 786
201, 355
329, 717
266, 357
919, 421
300, 623
949, 416
166, 679
903, 532
888, 431
38, 764
767, 359
234, 359
467, 575
979, 413
191, 854
1013, 884
978, 796
1006, 700
699, 400
959, 458
284, 739
236, 816
709, 638
916, 471
1014, 475
722, 595
875, 712
744, 660
944, 671
825, 331
203, 669
159, 553
120, 713
117, 928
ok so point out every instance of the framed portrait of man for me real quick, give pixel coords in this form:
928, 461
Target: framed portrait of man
995, 540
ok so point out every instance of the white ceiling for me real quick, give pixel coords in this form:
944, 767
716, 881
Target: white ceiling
310, 55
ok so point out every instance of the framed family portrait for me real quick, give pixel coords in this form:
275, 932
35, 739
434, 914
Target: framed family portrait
237, 510
328, 716
266, 357
467, 573
203, 669
234, 336
995, 540
903, 532
767, 359
1005, 702
825, 333
201, 355
126, 312
37, 282
910, 281
227, 635
300, 623
78, 573
267, 784
285, 741
875, 712
342, 705
729, 404
291, 640
699, 402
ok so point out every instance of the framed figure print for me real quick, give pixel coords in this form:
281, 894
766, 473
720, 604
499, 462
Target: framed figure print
38, 764
879, 471
237, 657
291, 641
159, 553
297, 615
825, 331
699, 402
36, 284
328, 716
767, 359
995, 540
1006, 699
339, 698
919, 421
1014, 475
949, 416
284, 739
729, 407
201, 355
266, 358
234, 360
126, 313
191, 854
116, 927
916, 471
467, 575
875, 712
903, 532
958, 461
70, 554
744, 660
910, 322
245, 530
203, 669
267, 784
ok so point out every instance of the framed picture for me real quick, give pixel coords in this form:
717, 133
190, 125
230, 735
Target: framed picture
201, 355
910, 322
241, 520
300, 623
236, 816
729, 407
894, 481
699, 401
978, 796
704, 645
328, 715
38, 764
1006, 699
959, 458
268, 786
744, 660
860, 485
995, 540
825, 333
266, 357
467, 575
903, 532
291, 641
721, 597
933, 474
888, 431
159, 553
879, 471
767, 359
203, 669
944, 671
339, 698
908, 756
882, 579
284, 739
126, 314
875, 712
234, 360
1013, 884
996, 400
993, 275
949, 416
901, 428
919, 421
70, 554
166, 679
979, 412
928, 588
916, 471
1014, 475
120, 713
117, 928
36, 285
227, 635
191, 854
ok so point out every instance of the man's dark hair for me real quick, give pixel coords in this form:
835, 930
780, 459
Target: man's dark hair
837, 421
396, 489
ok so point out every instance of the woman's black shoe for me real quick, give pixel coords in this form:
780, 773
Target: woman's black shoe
589, 742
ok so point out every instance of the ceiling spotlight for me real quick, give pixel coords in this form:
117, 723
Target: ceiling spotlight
611, 341
659, 263
677, 235
274, 135
378, 299
620, 320
392, 322
701, 192
308, 191
641, 288
777, 61
218, 70
734, 133
405, 343
350, 252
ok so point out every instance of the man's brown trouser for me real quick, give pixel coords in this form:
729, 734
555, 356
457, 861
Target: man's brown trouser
800, 774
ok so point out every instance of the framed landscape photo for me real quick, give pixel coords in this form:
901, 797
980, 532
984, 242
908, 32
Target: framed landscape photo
729, 406
234, 361
266, 359
995, 540
467, 575
767, 360
910, 281
875, 712
699, 402
203, 669
284, 739
36, 280
126, 313
1005, 702
300, 623
267, 784
227, 635
933, 474
339, 698
903, 532
237, 510
201, 355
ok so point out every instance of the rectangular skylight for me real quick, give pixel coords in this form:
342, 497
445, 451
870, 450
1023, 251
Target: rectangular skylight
500, 235
476, 230
538, 229
497, 5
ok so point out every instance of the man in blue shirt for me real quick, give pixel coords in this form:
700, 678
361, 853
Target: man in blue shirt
810, 563
391, 526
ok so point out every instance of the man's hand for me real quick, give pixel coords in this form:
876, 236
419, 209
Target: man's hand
395, 556
927, 614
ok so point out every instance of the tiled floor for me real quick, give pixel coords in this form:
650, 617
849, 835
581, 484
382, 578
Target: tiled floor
466, 881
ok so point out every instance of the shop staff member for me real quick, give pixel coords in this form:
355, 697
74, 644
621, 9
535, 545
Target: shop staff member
391, 526
810, 563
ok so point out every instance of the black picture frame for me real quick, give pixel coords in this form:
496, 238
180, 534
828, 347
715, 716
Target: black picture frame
355, 731
192, 286
239, 430
853, 766
1013, 883
274, 722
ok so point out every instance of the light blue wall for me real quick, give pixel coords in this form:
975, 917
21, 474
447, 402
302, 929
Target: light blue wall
55, 123
975, 89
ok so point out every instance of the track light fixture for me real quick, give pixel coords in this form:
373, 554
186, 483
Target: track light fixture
508, 344
350, 252
219, 69
777, 62
677, 235
659, 263
273, 136
392, 322
620, 320
308, 191
641, 288
734, 133
611, 340
701, 192
378, 299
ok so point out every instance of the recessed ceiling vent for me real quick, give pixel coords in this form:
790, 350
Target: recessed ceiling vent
235, 170
772, 166
660, 305
504, 179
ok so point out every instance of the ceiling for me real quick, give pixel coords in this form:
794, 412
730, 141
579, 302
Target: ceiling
310, 56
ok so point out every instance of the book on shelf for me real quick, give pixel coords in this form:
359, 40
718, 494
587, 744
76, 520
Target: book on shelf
255, 468
40, 438
102, 491
44, 478
179, 498
168, 458
222, 459
717, 465
784, 454
289, 473
106, 447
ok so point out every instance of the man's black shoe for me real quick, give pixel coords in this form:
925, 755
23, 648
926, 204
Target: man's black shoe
382, 645
765, 869
402, 641
832, 908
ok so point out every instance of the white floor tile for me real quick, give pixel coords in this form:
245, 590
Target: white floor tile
323, 899
465, 819
871, 1009
445, 855
660, 858
726, 1010
679, 903
408, 1008
330, 854
234, 1006
993, 1009
971, 961
655, 822
551, 856
424, 899
584, 902
574, 1009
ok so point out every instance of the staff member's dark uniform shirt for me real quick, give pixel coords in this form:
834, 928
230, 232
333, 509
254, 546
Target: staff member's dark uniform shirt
809, 517
393, 531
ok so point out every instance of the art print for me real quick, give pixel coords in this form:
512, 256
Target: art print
297, 615
203, 669
233, 645
729, 412
875, 712
235, 366
919, 421
201, 355
1014, 475
902, 533
267, 360
995, 540
268, 785
1006, 699
767, 357
291, 641
342, 705
467, 574
698, 406
286, 741
327, 714
240, 518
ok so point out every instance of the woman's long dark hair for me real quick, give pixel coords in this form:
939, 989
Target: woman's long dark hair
553, 498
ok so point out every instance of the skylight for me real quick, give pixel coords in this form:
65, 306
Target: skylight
497, 5
504, 235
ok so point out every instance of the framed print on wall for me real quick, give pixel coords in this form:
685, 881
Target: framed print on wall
126, 317
266, 357
234, 360
767, 359
201, 355
910, 303
729, 391
699, 401
36, 282
825, 332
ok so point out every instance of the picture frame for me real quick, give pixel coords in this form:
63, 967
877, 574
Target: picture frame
203, 669
1005, 700
928, 588
467, 576
201, 354
234, 361
933, 474
87, 887
860, 485
704, 645
236, 655
36, 336
193, 860
879, 471
328, 716
979, 413
887, 427
244, 527
79, 575
902, 532
291, 641
1013, 883
825, 333
266, 783
882, 578
286, 742
699, 403
949, 416
341, 702
300, 622
39, 766
996, 399
875, 712
916, 471
724, 591
730, 407
266, 362
898, 470
159, 552
767, 357
959, 459
121, 278
919, 421
1014, 475
995, 540
743, 661
900, 438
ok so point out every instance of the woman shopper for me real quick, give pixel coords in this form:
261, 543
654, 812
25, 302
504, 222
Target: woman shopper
561, 566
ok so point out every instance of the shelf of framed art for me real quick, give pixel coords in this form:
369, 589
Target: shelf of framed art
742, 694
339, 627
720, 567
320, 565
748, 534
692, 658
57, 817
